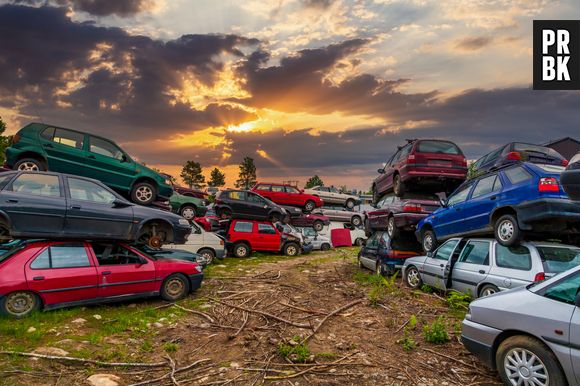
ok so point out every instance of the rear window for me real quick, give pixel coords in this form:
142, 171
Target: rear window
559, 259
513, 257
517, 175
243, 227
441, 147
400, 243
529, 148
237, 195
420, 196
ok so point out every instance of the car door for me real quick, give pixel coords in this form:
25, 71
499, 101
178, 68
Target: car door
385, 180
278, 195
293, 196
575, 341
267, 238
482, 201
62, 273
65, 150
95, 211
256, 205
106, 162
512, 266
449, 221
434, 266
370, 250
121, 271
35, 204
237, 201
472, 267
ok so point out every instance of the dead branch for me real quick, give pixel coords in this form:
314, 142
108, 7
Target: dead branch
453, 359
302, 309
172, 373
268, 315
83, 360
338, 310
199, 313
246, 318
168, 375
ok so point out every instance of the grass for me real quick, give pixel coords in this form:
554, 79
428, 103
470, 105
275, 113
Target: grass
379, 286
295, 352
436, 332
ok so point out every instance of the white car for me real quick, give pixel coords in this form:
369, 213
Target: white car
357, 236
207, 244
319, 242
331, 195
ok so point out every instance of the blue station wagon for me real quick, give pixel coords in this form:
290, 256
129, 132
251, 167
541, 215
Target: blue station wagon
509, 202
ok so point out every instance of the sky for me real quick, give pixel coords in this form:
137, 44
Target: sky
326, 87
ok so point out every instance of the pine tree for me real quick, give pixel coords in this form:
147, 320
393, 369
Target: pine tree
217, 178
191, 175
313, 181
247, 175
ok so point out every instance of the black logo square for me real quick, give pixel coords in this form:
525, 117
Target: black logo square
556, 54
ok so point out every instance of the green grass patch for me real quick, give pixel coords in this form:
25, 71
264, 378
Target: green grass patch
296, 352
378, 286
436, 332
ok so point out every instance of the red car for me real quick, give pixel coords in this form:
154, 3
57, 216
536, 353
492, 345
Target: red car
316, 221
284, 194
49, 274
245, 236
422, 163
210, 222
394, 214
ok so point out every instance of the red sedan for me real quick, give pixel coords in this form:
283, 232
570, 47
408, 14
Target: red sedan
283, 194
316, 221
49, 274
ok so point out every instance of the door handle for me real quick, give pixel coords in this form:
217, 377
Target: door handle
75, 207
91, 156
105, 273
38, 278
481, 271
13, 200
492, 198
442, 265
457, 209
47, 145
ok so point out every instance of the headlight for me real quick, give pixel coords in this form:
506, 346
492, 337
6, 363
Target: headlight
183, 221
167, 182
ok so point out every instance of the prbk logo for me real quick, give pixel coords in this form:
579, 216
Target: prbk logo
556, 54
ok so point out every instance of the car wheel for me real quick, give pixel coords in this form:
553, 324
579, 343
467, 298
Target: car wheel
175, 287
225, 214
208, 254
275, 217
19, 304
507, 231
376, 196
379, 269
309, 206
412, 277
488, 289
392, 229
398, 186
30, 164
429, 241
356, 221
359, 242
523, 360
318, 225
291, 249
241, 250
350, 203
188, 212
325, 247
143, 193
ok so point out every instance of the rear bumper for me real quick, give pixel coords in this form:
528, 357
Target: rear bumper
408, 220
570, 180
546, 211
195, 281
435, 173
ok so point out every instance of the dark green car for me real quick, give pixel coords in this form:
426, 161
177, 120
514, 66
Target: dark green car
38, 146
187, 207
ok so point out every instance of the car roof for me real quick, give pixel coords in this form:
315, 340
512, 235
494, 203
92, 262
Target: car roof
54, 174
43, 126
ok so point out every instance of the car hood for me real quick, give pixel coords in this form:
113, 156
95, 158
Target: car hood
513, 302
415, 260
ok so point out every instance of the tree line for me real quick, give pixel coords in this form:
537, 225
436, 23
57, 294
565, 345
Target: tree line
192, 175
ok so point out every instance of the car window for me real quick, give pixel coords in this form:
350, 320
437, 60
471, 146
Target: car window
404, 152
243, 227
441, 147
513, 257
263, 187
106, 148
493, 155
517, 174
62, 256
393, 159
564, 290
373, 241
497, 185
291, 189
484, 186
255, 198
475, 252
558, 259
68, 138
48, 133
445, 250
529, 148
267, 229
37, 184
114, 254
460, 196
277, 188
241, 196
89, 191
5, 178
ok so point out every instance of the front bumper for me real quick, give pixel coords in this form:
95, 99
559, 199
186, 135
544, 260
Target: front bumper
570, 180
195, 281
479, 340
307, 248
180, 233
542, 212
221, 253
408, 220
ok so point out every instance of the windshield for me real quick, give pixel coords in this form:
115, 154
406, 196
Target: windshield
441, 147
559, 259
526, 147
309, 232
9, 249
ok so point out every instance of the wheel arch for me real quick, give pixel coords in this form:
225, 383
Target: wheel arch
32, 154
481, 285
498, 212
508, 334
162, 222
209, 248
145, 179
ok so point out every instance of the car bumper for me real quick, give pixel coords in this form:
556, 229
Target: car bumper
195, 281
221, 253
406, 220
570, 180
546, 210
434, 172
180, 233
307, 248
479, 339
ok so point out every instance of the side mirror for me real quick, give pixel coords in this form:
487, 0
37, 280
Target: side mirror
577, 301
430, 254
380, 171
443, 202
121, 204
124, 158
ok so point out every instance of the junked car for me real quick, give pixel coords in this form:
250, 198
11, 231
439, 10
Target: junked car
332, 196
284, 194
210, 222
570, 178
248, 205
385, 255
289, 229
171, 253
319, 242
530, 335
357, 235
187, 207
342, 215
481, 267
207, 244
245, 236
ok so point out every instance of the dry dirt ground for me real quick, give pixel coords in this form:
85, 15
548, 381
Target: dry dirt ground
316, 319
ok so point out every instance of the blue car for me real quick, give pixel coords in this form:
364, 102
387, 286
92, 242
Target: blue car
509, 202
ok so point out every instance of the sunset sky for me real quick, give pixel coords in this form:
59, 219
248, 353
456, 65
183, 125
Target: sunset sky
327, 87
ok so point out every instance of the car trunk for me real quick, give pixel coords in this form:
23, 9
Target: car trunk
539, 154
437, 154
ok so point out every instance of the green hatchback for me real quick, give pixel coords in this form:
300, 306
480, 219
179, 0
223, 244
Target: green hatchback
187, 207
38, 146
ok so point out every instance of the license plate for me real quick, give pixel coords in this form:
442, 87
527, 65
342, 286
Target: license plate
438, 163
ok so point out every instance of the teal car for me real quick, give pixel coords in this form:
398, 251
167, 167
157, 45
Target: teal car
41, 147
187, 207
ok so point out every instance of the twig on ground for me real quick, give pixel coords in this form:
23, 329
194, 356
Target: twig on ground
337, 311
168, 375
268, 315
83, 360
246, 318
199, 313
172, 373
453, 359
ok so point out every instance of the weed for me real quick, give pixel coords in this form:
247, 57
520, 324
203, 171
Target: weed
458, 300
170, 347
407, 341
296, 352
436, 332
146, 346
379, 285
427, 288
327, 355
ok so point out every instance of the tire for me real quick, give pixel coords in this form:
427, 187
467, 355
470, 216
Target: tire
291, 249
376, 196
309, 206
356, 221
398, 186
19, 304
188, 212
225, 214
325, 247
359, 242
241, 250
506, 230
30, 164
275, 217
413, 278
174, 287
143, 193
429, 241
318, 225
208, 254
350, 203
379, 269
515, 352
392, 229
487, 290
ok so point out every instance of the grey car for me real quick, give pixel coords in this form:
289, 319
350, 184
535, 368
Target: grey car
531, 335
318, 241
482, 266
342, 215
331, 195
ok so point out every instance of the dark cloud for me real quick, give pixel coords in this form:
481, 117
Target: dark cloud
122, 8
473, 43
317, 4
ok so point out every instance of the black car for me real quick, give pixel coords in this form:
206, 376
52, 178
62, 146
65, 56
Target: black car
244, 204
516, 152
385, 255
570, 178
176, 254
56, 205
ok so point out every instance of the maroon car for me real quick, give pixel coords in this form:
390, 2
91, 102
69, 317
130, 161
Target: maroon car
395, 214
186, 191
310, 220
422, 163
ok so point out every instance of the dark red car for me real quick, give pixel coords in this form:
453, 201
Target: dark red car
422, 163
210, 222
283, 194
186, 191
310, 220
245, 236
395, 214
45, 275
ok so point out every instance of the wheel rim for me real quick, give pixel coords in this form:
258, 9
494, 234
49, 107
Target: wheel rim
188, 213
488, 291
291, 250
356, 221
208, 256
506, 230
350, 204
309, 206
318, 226
28, 166
427, 242
155, 242
20, 303
413, 277
391, 227
523, 367
144, 193
174, 287
241, 251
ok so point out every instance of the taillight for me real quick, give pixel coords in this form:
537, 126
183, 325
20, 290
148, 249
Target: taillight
540, 276
15, 138
411, 159
548, 184
464, 162
564, 162
514, 156
412, 208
